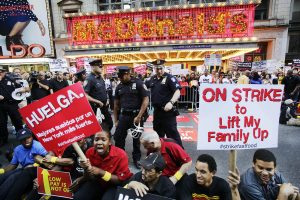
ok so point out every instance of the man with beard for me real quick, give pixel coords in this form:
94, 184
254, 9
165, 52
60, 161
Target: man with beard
262, 182
106, 167
24, 156
131, 101
39, 87
94, 87
203, 184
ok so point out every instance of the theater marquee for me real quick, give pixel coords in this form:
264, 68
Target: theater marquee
175, 24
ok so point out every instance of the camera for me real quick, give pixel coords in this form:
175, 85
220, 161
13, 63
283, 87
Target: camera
33, 77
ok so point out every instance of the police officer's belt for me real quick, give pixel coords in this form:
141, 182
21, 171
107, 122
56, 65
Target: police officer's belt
129, 112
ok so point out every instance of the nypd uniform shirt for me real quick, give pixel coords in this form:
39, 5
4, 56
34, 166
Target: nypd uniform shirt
95, 87
162, 89
131, 94
7, 86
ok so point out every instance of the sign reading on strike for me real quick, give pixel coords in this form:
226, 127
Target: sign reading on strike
54, 183
61, 118
238, 116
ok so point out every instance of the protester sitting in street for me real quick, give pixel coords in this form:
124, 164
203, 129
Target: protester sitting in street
203, 184
177, 159
149, 180
106, 167
23, 156
263, 182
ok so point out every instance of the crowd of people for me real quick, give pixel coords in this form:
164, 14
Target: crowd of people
164, 170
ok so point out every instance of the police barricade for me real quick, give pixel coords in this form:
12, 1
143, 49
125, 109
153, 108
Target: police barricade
126, 194
188, 98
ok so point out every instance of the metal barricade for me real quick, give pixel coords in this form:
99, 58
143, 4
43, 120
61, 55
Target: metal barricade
188, 98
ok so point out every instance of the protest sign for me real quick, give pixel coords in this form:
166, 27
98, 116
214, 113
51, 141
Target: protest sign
126, 194
58, 65
54, 183
110, 69
140, 69
243, 66
260, 66
213, 60
61, 119
238, 116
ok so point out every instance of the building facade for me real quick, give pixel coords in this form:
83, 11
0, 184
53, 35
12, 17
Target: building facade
271, 23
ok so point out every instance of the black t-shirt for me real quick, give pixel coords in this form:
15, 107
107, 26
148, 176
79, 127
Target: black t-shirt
56, 85
164, 186
38, 92
191, 190
75, 171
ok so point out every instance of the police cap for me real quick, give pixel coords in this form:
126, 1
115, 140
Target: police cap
97, 63
159, 63
123, 70
3, 69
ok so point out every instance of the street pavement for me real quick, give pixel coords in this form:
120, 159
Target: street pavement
287, 153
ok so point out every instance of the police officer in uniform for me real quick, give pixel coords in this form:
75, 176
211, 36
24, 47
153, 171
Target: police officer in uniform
130, 104
165, 91
8, 106
94, 87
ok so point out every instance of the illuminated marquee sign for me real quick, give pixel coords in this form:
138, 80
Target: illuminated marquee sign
162, 25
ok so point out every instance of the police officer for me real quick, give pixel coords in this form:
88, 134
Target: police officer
8, 106
94, 87
80, 76
131, 101
165, 91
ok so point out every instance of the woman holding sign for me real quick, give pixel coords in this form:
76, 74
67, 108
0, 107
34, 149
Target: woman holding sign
106, 166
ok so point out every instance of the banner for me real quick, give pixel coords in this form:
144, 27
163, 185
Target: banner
38, 31
61, 119
126, 194
54, 183
58, 65
238, 116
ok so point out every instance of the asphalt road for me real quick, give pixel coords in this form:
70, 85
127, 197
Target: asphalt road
287, 153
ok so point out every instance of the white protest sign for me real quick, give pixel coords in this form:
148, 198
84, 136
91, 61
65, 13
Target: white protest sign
260, 66
58, 65
213, 60
238, 116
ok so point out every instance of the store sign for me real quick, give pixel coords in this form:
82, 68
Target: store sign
162, 25
37, 34
193, 46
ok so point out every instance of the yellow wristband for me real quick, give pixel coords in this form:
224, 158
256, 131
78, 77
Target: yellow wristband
178, 175
107, 176
53, 159
2, 171
36, 164
126, 186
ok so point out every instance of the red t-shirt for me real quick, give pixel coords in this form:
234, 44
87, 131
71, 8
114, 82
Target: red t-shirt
116, 162
179, 154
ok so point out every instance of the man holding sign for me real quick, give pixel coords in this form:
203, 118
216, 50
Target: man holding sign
262, 182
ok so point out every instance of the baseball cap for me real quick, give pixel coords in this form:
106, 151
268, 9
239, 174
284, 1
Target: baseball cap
24, 133
153, 160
